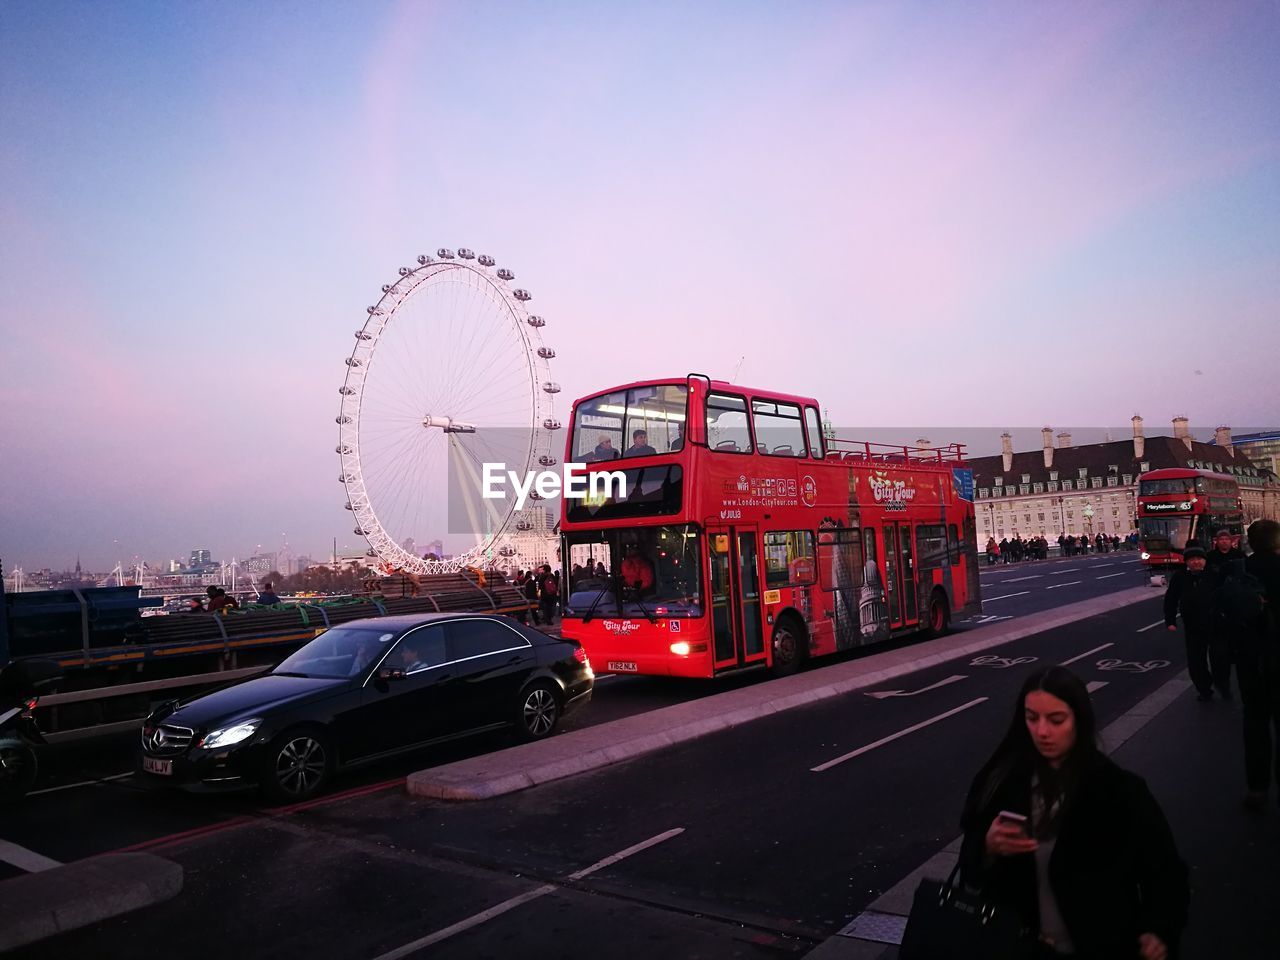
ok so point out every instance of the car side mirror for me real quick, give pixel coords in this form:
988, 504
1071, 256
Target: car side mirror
390, 673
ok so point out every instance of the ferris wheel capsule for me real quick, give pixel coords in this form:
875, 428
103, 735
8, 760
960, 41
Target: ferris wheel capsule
354, 362
342, 418
523, 295
550, 387
363, 335
546, 353
466, 254
444, 253
551, 423
424, 259
536, 321
347, 391
485, 260
547, 461
505, 274
373, 311
342, 448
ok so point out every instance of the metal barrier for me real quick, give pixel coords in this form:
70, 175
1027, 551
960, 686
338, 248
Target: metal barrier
126, 689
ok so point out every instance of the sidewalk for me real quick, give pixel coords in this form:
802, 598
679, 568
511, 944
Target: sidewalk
1192, 757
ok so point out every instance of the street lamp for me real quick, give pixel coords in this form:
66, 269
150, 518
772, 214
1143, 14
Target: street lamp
1087, 513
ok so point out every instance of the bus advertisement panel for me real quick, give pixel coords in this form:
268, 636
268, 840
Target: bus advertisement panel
1178, 506
746, 537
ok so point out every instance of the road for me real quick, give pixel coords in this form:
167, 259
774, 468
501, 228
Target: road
757, 841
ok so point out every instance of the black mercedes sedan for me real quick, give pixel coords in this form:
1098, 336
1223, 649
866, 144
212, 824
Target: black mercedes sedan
363, 691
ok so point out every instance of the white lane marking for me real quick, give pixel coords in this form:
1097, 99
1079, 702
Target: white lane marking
881, 694
1006, 596
1151, 626
1093, 685
1130, 561
25, 859
82, 783
1071, 583
1085, 654
1019, 579
1108, 576
1068, 570
507, 905
894, 736
1097, 565
623, 854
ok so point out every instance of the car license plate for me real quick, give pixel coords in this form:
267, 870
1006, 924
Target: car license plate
162, 767
622, 666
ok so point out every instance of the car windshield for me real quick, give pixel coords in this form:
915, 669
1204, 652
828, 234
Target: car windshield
634, 572
338, 653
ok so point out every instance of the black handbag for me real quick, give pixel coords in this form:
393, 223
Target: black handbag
947, 922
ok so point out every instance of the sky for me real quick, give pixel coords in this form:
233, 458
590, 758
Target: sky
978, 214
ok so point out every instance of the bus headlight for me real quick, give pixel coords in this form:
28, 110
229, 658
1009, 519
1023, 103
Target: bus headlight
1145, 555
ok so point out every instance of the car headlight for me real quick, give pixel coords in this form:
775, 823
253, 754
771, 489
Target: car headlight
230, 736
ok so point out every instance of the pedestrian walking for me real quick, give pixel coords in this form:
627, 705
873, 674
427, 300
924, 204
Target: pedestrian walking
1258, 666
1224, 562
1192, 592
1072, 843
530, 588
548, 593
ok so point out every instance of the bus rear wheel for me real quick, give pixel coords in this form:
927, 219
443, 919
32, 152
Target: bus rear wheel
790, 645
939, 616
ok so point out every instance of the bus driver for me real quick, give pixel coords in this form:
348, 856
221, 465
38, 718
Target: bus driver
637, 571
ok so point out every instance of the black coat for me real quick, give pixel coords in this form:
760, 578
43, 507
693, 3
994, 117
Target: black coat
1115, 869
1192, 594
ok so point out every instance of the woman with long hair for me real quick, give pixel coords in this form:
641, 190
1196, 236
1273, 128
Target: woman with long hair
1076, 846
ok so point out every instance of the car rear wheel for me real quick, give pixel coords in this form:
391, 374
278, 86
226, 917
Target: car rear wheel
299, 762
539, 711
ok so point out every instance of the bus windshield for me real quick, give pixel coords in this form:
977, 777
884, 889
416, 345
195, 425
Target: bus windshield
634, 572
640, 422
1160, 534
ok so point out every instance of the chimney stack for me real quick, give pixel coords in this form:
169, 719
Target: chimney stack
1006, 450
1047, 436
1222, 437
1139, 441
1064, 440
1182, 431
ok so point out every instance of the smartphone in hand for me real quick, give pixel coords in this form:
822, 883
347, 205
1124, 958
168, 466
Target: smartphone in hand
1009, 818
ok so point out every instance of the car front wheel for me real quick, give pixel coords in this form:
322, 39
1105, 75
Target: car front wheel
299, 762
539, 711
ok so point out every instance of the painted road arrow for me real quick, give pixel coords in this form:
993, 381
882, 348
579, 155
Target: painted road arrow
881, 694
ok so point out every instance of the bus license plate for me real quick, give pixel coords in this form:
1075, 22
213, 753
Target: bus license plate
162, 767
622, 666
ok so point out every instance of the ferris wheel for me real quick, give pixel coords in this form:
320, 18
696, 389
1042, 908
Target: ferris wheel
449, 372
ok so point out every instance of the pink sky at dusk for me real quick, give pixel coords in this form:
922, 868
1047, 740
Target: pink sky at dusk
887, 206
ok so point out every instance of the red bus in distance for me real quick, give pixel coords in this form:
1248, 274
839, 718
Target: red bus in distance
748, 538
1177, 505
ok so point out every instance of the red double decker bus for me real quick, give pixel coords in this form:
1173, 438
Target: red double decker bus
1179, 505
746, 537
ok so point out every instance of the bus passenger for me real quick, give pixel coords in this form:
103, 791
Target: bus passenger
640, 445
604, 450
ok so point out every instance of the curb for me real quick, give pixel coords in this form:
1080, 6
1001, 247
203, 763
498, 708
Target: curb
518, 768
41, 905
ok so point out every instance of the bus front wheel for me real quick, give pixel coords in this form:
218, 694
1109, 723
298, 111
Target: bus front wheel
790, 644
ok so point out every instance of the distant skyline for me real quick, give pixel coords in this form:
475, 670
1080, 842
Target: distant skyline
970, 214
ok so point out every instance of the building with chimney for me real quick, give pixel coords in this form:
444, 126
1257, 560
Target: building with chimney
1068, 490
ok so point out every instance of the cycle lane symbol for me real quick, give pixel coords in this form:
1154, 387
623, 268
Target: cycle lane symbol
1132, 666
1000, 663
